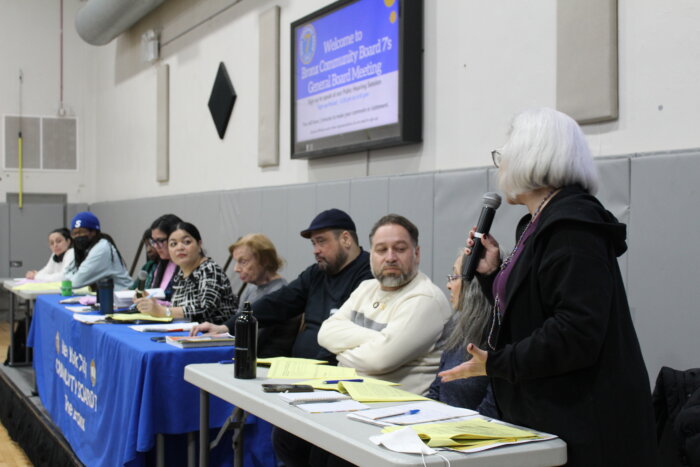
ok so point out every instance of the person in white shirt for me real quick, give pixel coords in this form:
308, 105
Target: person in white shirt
389, 326
62, 255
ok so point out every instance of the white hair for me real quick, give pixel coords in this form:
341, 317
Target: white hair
545, 148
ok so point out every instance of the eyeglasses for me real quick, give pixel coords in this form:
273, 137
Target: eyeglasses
158, 241
454, 277
496, 156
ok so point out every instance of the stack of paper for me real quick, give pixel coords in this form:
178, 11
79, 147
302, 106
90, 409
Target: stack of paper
297, 368
474, 434
165, 327
322, 401
410, 414
371, 392
125, 298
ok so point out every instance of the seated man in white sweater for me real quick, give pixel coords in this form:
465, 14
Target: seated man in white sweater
389, 326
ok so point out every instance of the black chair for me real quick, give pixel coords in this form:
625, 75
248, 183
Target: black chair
676, 401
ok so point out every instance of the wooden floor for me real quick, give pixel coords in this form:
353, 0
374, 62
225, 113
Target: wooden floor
11, 455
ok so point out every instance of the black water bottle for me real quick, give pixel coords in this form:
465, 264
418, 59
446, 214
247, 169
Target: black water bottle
246, 353
105, 295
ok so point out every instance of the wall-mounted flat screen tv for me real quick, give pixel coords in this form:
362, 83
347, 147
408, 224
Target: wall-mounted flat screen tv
357, 77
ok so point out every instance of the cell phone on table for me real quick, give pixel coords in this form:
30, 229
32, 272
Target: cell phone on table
158, 339
274, 387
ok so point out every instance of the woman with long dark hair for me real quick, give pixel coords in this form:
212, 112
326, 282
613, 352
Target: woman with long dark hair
166, 269
62, 255
201, 290
96, 255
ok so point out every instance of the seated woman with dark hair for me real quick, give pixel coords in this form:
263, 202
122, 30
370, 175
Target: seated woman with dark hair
62, 256
201, 290
166, 269
96, 255
468, 324
151, 261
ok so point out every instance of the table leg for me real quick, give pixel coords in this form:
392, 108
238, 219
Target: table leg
160, 450
203, 428
191, 450
238, 426
11, 360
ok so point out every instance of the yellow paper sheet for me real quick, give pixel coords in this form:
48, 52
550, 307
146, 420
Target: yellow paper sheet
319, 384
472, 429
48, 287
302, 369
373, 392
269, 361
129, 317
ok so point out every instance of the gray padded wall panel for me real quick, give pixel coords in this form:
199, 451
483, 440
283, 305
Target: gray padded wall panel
369, 200
4, 240
412, 196
204, 211
663, 259
125, 221
457, 207
301, 208
333, 195
614, 193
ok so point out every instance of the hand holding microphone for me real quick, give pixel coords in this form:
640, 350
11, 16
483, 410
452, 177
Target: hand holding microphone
141, 284
482, 253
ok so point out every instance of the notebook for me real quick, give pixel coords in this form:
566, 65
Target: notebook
186, 342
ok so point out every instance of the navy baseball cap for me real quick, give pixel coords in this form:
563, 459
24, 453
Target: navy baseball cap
330, 219
85, 219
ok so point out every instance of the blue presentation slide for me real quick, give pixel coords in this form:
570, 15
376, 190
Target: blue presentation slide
347, 70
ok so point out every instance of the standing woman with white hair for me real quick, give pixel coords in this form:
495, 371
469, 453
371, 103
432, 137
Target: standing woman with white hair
561, 351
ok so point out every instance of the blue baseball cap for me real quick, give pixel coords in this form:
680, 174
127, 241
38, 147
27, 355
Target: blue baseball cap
86, 220
330, 219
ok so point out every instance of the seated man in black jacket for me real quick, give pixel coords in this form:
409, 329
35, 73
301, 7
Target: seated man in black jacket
340, 266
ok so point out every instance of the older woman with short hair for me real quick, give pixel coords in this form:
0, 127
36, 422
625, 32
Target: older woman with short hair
562, 352
257, 264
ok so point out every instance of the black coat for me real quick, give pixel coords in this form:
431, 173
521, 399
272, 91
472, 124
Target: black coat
567, 359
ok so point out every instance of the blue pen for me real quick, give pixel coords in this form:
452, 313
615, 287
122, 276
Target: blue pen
410, 412
336, 381
224, 362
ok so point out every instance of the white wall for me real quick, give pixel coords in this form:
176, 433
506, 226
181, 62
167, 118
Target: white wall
483, 61
29, 34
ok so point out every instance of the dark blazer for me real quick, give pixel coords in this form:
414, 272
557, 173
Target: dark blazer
567, 359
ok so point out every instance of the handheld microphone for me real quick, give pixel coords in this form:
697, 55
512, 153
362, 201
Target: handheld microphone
141, 284
491, 202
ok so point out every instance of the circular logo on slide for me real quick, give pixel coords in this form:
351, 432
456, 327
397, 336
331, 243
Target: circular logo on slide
307, 44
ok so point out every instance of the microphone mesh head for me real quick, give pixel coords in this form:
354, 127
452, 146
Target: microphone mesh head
142, 275
492, 200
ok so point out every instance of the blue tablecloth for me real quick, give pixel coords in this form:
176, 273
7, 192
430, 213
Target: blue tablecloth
111, 389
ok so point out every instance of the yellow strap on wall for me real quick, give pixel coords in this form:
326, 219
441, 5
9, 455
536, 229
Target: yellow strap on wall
21, 176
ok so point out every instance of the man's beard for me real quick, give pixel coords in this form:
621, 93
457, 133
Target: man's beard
334, 267
392, 281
